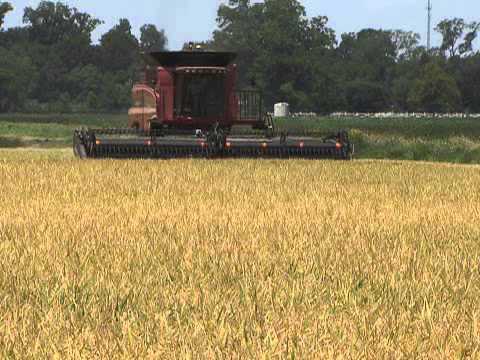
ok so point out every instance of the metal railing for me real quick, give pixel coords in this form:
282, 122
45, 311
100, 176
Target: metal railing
250, 105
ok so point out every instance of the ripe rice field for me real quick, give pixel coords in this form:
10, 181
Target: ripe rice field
237, 258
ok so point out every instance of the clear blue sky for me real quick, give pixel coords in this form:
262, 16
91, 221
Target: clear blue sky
185, 20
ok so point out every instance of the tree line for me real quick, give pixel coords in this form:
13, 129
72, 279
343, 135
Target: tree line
51, 64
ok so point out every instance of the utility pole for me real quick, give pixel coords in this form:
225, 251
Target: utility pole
429, 24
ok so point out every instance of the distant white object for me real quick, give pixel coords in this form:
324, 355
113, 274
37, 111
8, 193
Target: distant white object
281, 110
393, 115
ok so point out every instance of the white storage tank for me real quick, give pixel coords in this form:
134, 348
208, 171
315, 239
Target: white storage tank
281, 110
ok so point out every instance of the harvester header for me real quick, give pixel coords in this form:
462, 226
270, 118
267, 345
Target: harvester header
188, 105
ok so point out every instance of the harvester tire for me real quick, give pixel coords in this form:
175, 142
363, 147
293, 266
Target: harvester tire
79, 148
80, 151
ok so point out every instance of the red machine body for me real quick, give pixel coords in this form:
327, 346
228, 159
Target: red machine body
193, 90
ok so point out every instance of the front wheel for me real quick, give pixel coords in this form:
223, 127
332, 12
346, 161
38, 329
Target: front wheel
79, 149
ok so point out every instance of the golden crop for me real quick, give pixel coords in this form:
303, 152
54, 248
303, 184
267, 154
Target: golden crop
238, 259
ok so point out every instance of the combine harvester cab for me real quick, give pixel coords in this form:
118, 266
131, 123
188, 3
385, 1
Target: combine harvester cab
187, 106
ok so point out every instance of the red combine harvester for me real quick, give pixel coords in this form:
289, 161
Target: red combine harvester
188, 106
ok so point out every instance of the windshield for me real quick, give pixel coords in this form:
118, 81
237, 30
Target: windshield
200, 95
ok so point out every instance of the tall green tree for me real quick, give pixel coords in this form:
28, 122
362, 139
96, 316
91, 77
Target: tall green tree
320, 79
17, 75
60, 41
407, 72
435, 91
120, 48
405, 43
468, 79
275, 42
369, 55
51, 23
239, 25
151, 39
457, 36
282, 59
368, 60
51, 63
120, 59
5, 7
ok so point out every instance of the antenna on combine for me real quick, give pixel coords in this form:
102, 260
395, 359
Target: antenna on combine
429, 24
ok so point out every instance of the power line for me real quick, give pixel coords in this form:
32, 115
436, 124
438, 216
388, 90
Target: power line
429, 24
